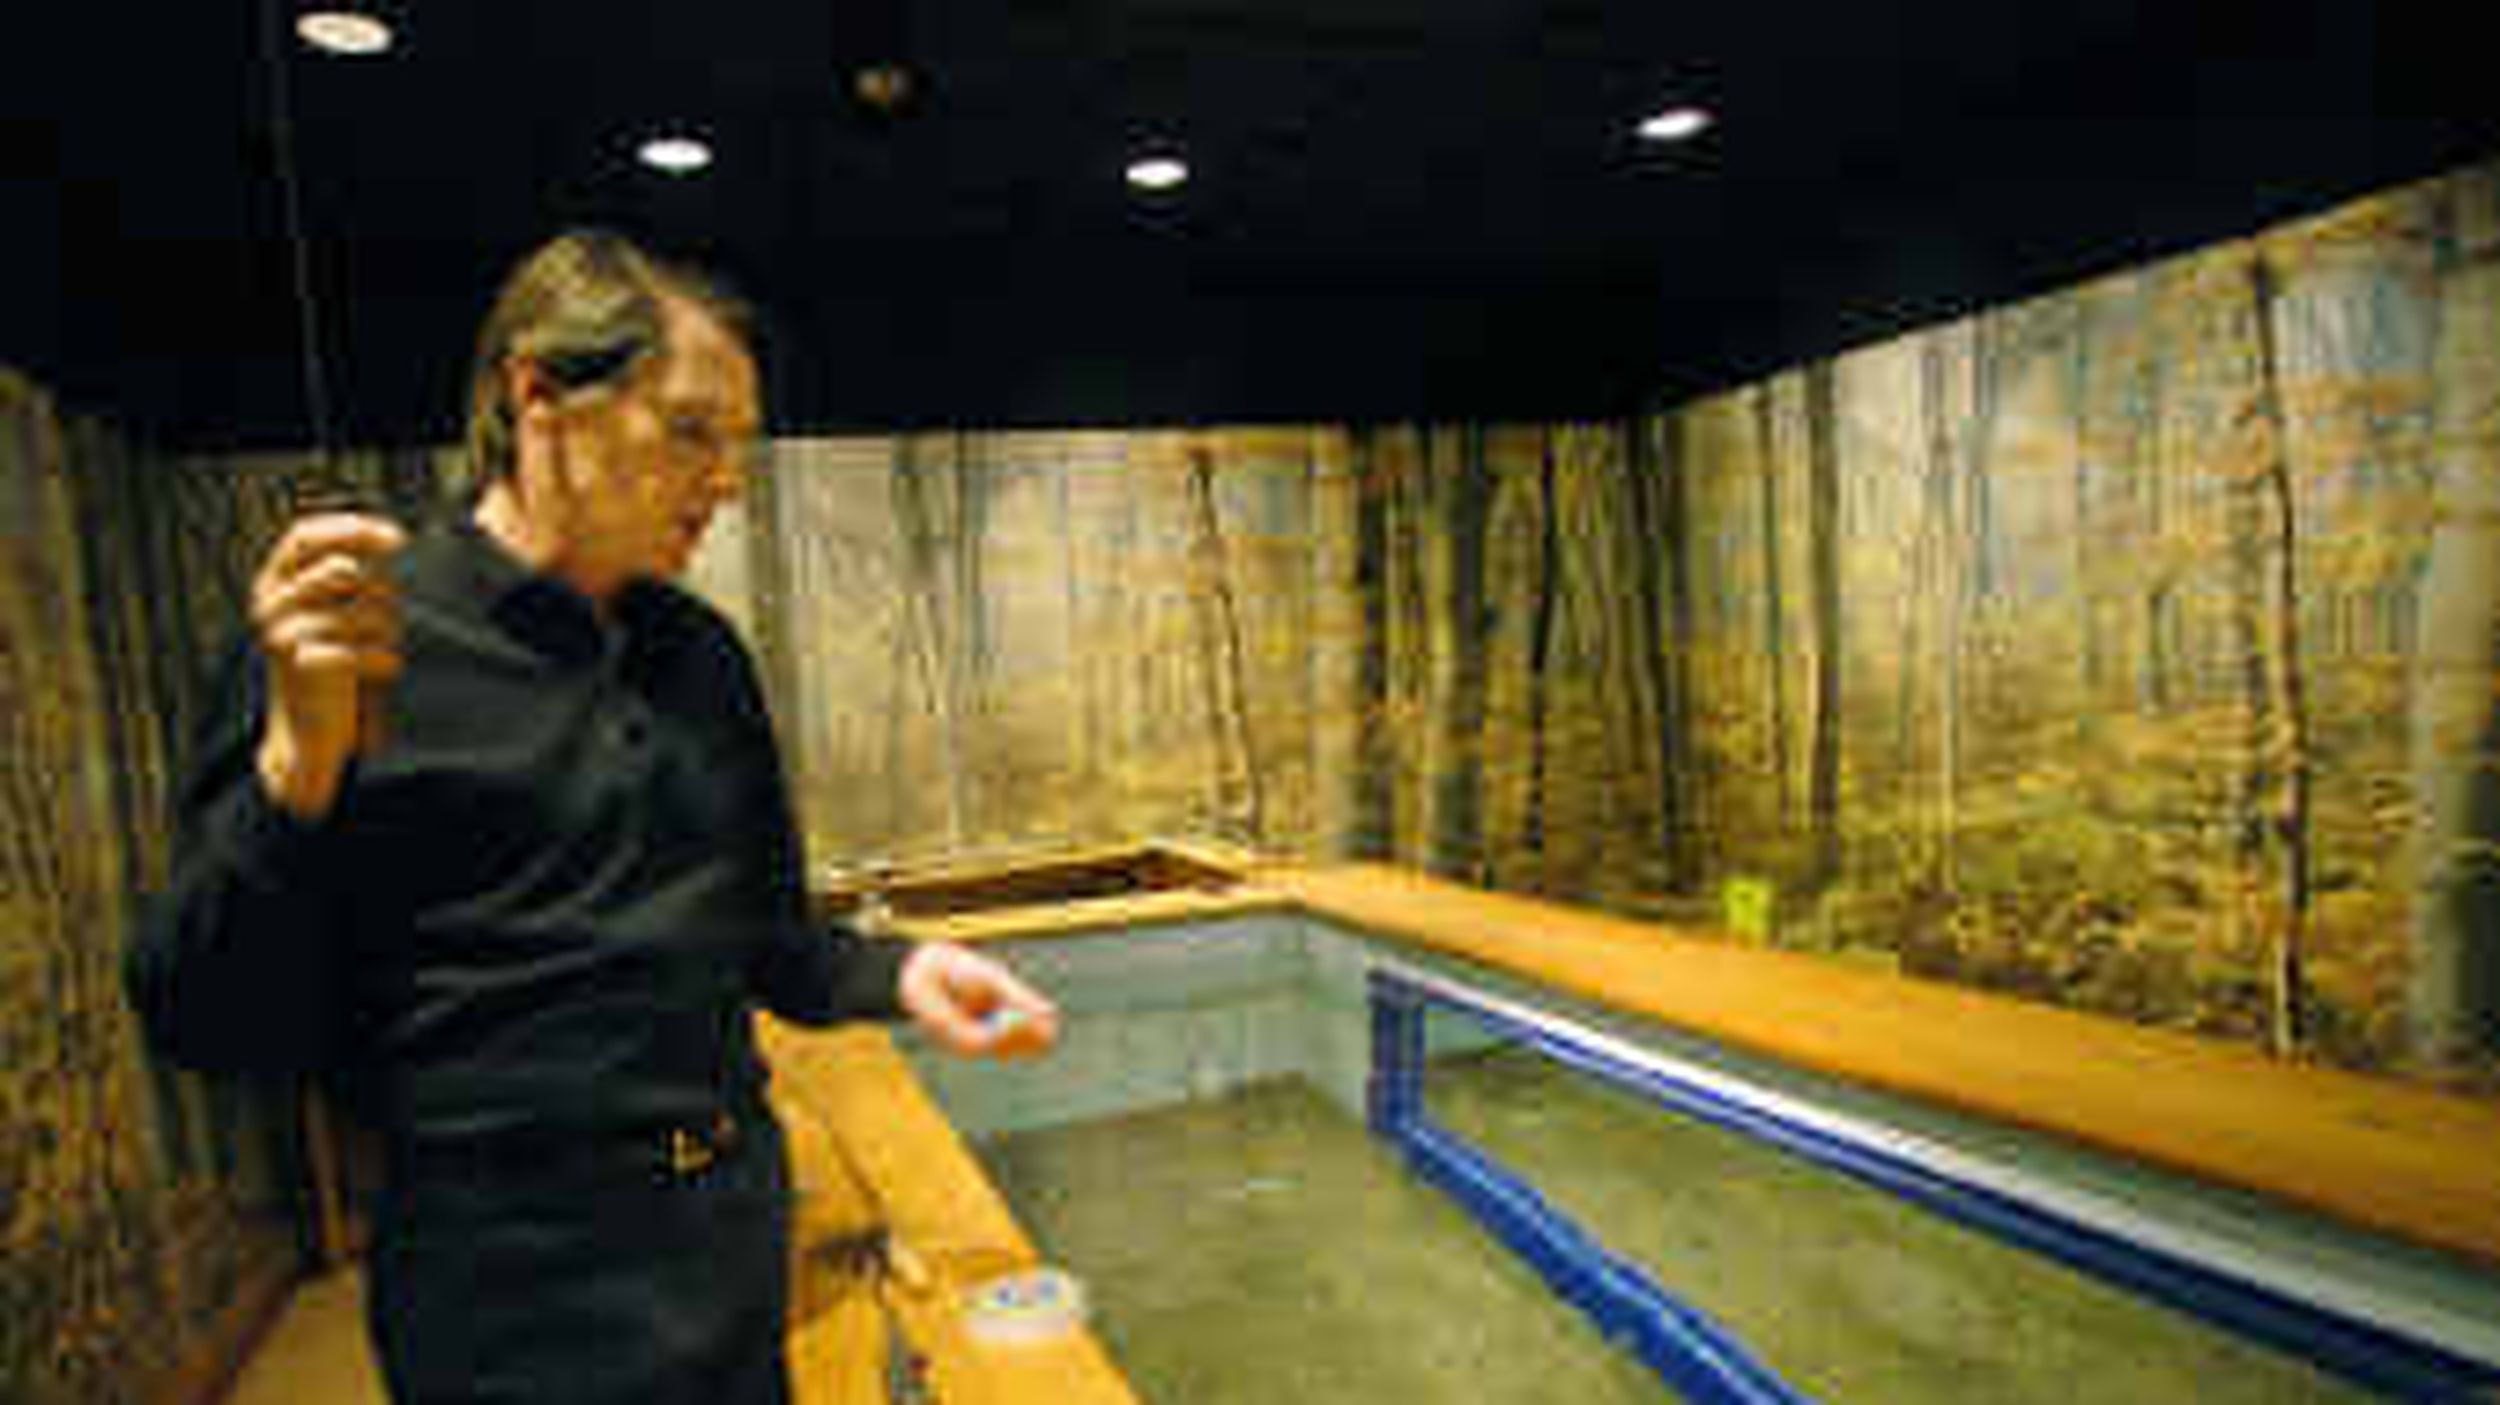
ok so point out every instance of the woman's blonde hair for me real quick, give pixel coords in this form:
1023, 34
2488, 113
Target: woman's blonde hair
586, 307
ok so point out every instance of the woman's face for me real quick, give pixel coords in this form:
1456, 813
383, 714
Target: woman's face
645, 468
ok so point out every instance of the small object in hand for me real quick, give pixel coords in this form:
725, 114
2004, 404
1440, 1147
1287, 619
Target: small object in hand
1034, 1305
874, 917
1005, 1020
372, 698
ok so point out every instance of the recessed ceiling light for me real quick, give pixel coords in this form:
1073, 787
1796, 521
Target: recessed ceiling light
1676, 124
679, 156
885, 87
1158, 172
343, 32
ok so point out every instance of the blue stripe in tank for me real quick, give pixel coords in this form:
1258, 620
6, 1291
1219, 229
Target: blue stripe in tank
2359, 1351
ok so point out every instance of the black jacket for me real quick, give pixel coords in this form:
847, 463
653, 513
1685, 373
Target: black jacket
546, 903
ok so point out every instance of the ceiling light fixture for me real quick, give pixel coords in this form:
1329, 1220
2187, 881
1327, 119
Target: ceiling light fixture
1158, 172
677, 155
884, 87
1676, 124
343, 31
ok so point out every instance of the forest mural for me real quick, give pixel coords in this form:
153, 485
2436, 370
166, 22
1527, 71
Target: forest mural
2135, 649
987, 643
2129, 649
1324, 641
145, 1216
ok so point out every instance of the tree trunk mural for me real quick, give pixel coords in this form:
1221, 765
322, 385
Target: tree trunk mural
2244, 445
1774, 596
1974, 614
1675, 547
2289, 820
2161, 592
768, 569
1541, 653
2455, 743
1375, 825
1228, 708
1083, 715
1466, 500
1655, 554
1823, 536
936, 653
1407, 458
2079, 391
1942, 582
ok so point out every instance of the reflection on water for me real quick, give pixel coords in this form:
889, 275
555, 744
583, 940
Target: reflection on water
1261, 1248
1849, 1293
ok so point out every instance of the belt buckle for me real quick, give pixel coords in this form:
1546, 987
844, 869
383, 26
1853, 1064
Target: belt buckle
688, 1153
691, 1152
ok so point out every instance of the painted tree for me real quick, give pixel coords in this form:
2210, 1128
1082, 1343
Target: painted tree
1824, 536
768, 568
1940, 579
2161, 596
1774, 596
1223, 672
1375, 768
1648, 470
1541, 650
922, 539
1117, 516
1466, 500
2454, 1002
1083, 713
1654, 505
1417, 646
2280, 762
1972, 584
2084, 528
2237, 307
1406, 460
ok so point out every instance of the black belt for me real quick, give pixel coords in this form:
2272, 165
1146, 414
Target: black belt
669, 1152
690, 1151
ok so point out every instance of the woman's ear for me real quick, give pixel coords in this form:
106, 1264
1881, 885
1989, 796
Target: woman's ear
538, 470
526, 387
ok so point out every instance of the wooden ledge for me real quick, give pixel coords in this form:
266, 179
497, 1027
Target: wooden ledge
932, 1197
2411, 1162
2400, 1159
1066, 919
980, 884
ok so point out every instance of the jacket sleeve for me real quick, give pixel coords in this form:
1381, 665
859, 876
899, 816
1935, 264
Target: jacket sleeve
806, 971
236, 965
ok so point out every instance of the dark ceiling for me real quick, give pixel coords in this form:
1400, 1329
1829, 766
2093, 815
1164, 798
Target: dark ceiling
1400, 207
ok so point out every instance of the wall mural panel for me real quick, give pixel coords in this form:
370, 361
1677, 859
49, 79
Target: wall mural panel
2129, 648
128, 1228
997, 642
2120, 606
